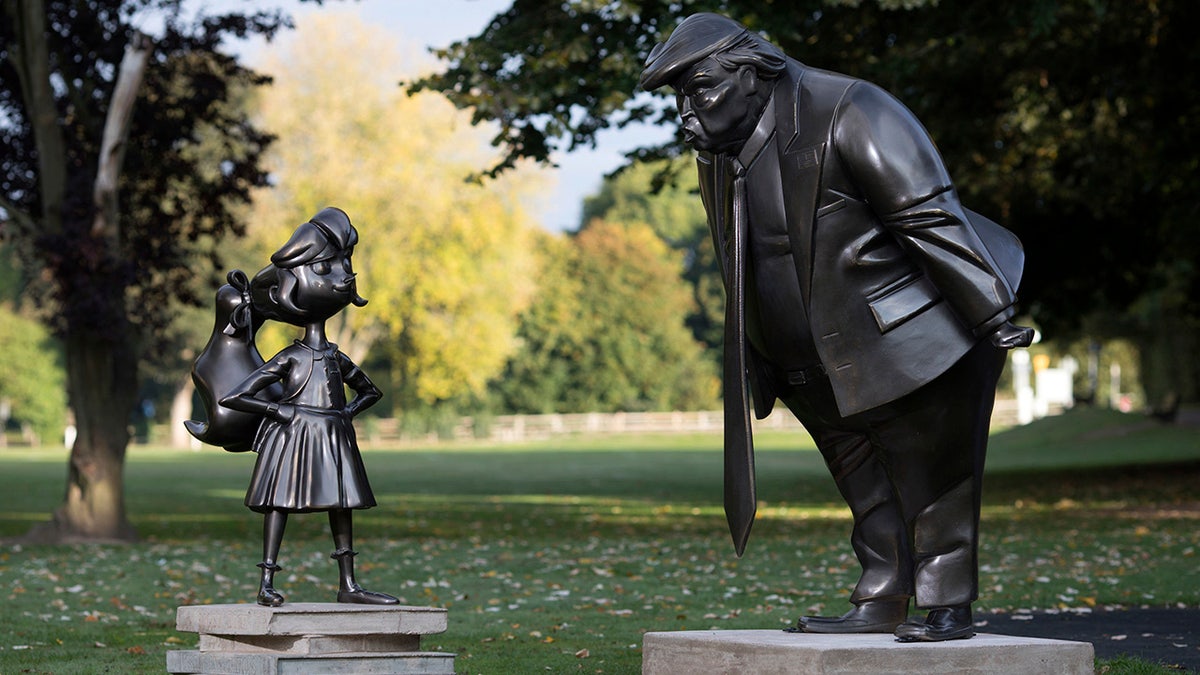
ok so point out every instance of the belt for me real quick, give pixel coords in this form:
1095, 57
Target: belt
803, 376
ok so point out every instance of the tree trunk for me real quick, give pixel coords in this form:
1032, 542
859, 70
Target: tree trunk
102, 381
99, 340
1169, 350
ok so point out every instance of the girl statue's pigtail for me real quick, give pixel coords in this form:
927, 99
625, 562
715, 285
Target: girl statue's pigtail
227, 359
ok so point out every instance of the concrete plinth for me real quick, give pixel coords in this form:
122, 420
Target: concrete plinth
310, 638
770, 652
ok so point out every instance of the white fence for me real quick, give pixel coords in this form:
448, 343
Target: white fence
513, 428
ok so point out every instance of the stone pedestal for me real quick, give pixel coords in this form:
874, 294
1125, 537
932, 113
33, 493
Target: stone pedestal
310, 638
771, 652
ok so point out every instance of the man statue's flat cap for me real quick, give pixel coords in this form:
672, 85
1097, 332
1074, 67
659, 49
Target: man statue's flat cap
697, 38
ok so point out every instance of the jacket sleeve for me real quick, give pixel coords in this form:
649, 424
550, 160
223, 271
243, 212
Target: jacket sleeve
893, 161
243, 396
366, 394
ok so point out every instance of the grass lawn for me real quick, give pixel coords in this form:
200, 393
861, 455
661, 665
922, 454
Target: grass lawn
557, 556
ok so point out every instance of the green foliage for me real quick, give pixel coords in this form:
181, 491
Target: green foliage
1065, 120
32, 381
634, 308
1071, 121
663, 196
1169, 333
607, 332
551, 74
552, 337
10, 276
176, 197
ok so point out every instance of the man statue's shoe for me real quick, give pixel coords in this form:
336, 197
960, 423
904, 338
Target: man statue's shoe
945, 623
871, 616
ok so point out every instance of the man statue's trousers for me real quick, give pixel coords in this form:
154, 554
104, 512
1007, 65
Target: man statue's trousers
911, 472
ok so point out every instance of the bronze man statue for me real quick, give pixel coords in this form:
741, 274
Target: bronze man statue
862, 295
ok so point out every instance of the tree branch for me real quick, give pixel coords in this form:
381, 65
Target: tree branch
32, 60
116, 133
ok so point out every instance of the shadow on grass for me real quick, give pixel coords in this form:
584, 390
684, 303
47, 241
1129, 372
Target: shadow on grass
1088, 460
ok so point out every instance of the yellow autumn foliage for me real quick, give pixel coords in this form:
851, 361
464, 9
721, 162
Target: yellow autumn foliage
446, 264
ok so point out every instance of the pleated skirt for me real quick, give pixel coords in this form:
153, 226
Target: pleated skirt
310, 463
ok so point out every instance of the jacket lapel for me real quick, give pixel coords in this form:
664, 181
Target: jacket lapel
801, 148
805, 117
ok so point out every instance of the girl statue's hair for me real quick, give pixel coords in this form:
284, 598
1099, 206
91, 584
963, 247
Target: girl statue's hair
326, 235
242, 305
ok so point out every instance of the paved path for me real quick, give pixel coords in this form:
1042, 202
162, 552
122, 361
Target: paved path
1170, 637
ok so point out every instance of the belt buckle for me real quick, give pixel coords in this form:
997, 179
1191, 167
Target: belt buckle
805, 376
801, 377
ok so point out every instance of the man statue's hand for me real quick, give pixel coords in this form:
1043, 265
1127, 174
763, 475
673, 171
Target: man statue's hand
1010, 336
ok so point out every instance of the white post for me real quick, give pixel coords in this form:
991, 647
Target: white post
1025, 403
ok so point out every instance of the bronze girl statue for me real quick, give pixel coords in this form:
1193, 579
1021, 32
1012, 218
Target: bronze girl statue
293, 406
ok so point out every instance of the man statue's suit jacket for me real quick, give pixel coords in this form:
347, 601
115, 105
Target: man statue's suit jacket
899, 280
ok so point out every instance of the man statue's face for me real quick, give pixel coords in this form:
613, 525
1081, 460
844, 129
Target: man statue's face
717, 106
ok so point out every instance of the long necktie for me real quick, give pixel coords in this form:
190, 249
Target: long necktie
740, 500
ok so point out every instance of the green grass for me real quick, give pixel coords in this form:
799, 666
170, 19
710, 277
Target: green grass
541, 551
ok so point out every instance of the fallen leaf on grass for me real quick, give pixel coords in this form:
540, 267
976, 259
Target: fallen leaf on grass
582, 654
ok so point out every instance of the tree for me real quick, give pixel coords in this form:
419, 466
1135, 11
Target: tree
607, 332
550, 333
31, 377
1068, 120
116, 236
673, 210
446, 264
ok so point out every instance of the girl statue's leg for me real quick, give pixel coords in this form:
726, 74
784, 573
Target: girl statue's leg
273, 524
342, 525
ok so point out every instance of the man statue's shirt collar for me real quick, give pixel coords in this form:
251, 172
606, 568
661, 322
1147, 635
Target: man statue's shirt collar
758, 138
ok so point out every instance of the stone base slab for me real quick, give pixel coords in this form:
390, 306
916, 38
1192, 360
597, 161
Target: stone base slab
310, 618
234, 663
771, 652
303, 638
310, 644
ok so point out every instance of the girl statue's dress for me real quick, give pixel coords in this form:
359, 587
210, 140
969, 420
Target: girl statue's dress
311, 462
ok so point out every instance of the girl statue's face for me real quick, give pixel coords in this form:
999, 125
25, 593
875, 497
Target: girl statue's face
325, 287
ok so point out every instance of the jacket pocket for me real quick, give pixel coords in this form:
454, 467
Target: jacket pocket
833, 207
898, 302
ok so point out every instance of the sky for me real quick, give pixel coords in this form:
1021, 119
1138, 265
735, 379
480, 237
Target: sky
437, 23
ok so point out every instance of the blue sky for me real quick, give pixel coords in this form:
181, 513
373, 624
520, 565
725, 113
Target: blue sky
437, 23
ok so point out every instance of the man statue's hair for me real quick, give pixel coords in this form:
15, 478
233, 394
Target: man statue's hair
702, 36
752, 50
